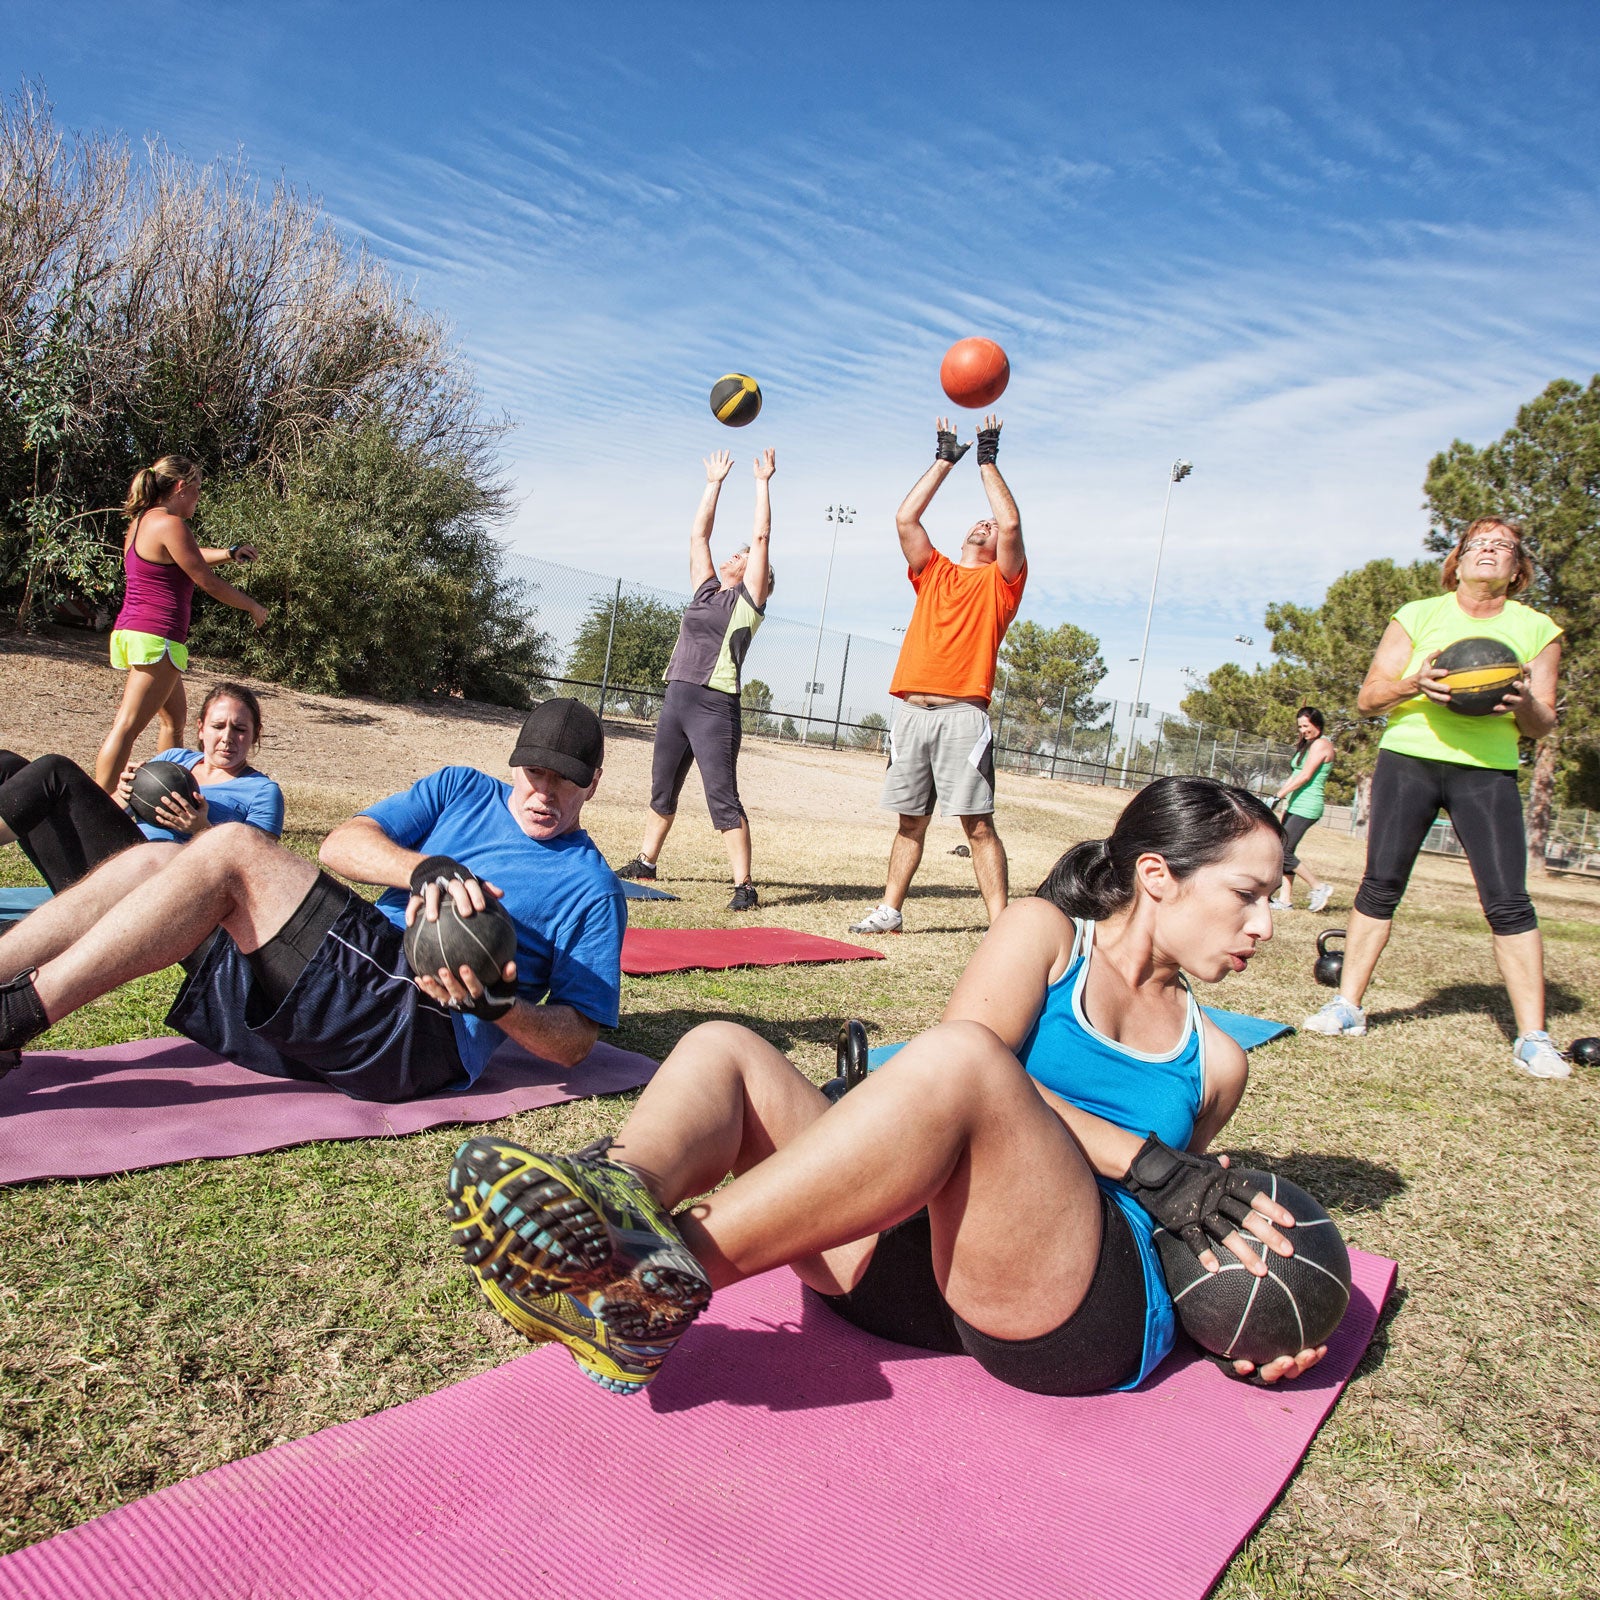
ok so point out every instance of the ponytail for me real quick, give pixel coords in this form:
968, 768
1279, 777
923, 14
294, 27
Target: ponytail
151, 485
1188, 822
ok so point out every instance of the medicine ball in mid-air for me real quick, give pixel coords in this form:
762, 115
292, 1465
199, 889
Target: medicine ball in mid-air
1233, 1313
1477, 673
483, 942
153, 782
974, 373
735, 399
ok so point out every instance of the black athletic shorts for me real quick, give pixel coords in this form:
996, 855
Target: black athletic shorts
1100, 1346
328, 999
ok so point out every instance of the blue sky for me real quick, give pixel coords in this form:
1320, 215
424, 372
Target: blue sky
1303, 247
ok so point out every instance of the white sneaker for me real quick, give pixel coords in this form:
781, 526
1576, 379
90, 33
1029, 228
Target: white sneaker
1338, 1016
1279, 904
884, 920
1536, 1054
1320, 896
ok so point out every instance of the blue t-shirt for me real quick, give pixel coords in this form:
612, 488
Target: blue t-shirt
251, 797
567, 904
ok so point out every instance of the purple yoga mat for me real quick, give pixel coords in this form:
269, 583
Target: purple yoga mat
780, 1452
86, 1113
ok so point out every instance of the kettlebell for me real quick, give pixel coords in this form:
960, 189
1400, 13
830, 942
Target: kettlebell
1586, 1052
1330, 963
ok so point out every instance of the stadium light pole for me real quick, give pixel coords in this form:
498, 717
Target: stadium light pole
839, 516
1180, 470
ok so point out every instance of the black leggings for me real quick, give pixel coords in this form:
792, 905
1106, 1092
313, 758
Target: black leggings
1100, 1346
64, 821
1294, 830
1408, 792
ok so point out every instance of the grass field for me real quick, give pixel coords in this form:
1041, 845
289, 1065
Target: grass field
158, 1324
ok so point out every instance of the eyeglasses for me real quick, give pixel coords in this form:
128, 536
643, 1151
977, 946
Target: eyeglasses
1489, 544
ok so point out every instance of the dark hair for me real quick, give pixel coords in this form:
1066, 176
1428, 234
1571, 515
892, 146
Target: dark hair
1316, 719
1188, 822
233, 691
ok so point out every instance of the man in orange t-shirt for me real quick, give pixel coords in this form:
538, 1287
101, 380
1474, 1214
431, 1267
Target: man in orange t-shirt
942, 745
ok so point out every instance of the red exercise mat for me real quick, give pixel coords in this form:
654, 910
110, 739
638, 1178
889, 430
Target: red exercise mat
86, 1113
780, 1453
650, 950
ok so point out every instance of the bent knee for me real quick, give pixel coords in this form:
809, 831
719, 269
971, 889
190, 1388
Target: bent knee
961, 1059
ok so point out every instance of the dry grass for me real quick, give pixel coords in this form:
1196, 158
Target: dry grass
155, 1325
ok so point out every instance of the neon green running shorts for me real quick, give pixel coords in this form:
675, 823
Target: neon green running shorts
130, 648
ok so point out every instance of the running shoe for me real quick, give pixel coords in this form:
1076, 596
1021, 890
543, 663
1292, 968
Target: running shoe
1338, 1016
639, 869
576, 1248
21, 1015
1536, 1054
1278, 903
1320, 896
745, 897
884, 920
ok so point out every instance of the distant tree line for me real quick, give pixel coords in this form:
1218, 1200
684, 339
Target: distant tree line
150, 306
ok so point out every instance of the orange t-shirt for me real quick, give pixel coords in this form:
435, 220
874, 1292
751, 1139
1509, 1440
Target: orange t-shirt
960, 617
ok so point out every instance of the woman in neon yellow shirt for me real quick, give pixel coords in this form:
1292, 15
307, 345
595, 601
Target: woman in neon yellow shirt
1433, 759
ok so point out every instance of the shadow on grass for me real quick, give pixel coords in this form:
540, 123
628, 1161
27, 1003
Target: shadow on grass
1480, 999
1377, 1351
1343, 1183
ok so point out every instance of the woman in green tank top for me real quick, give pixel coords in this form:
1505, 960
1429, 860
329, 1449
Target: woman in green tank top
1303, 790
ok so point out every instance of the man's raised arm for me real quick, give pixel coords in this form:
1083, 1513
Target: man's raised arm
1010, 557
914, 540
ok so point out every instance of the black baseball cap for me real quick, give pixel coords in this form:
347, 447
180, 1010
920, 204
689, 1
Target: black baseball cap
566, 737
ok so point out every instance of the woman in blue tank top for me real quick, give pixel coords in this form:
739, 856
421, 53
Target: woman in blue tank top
992, 1190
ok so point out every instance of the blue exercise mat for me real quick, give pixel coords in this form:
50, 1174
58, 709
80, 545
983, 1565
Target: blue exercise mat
1247, 1030
643, 891
15, 904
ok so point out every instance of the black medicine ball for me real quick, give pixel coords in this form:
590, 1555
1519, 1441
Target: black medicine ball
735, 399
153, 782
1477, 673
483, 942
1295, 1307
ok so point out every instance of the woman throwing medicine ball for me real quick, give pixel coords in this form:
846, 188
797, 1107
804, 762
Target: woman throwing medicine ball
163, 565
699, 720
1433, 759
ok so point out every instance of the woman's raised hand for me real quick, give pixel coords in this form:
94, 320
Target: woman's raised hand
718, 465
766, 464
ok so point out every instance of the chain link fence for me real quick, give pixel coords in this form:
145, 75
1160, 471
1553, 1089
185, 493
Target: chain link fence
607, 642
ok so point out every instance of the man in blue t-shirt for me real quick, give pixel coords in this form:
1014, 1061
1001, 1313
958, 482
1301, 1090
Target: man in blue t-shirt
305, 979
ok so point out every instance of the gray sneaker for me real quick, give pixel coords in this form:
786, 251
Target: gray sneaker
1536, 1054
884, 920
1338, 1016
1320, 896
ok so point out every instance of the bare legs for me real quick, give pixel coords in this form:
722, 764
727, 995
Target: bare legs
952, 1123
233, 876
735, 840
153, 691
989, 864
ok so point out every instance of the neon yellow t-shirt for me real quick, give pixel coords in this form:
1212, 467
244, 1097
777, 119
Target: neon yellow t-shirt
1418, 727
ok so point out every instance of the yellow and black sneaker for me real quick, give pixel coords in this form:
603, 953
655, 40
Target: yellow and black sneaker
576, 1248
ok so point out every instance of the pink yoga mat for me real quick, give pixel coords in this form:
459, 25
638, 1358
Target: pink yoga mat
780, 1453
650, 950
85, 1113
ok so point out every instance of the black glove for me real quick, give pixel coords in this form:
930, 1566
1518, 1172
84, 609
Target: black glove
493, 1003
440, 870
1189, 1195
988, 445
947, 449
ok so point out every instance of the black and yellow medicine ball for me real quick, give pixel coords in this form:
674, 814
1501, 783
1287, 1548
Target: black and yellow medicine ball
1477, 673
735, 399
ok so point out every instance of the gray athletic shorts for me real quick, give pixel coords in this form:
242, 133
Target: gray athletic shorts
945, 752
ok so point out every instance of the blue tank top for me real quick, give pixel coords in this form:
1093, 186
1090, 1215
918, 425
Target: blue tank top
1139, 1093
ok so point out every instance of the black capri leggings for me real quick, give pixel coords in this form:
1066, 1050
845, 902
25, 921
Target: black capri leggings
1294, 830
64, 821
698, 725
1485, 809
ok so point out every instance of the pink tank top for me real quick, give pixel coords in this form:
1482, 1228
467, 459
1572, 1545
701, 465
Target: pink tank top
158, 596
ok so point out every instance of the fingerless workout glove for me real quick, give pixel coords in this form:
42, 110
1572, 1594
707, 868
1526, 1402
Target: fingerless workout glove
1191, 1196
948, 449
988, 446
493, 1003
438, 869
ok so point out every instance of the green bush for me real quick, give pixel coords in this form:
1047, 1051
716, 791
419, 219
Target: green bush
378, 574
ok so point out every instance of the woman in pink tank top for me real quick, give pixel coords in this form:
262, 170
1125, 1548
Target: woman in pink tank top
164, 565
